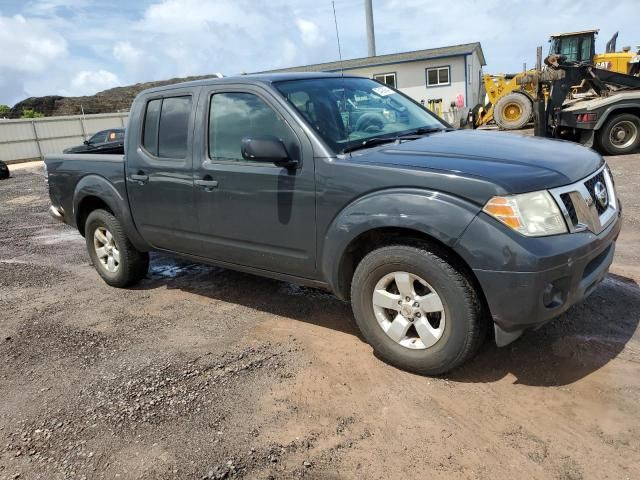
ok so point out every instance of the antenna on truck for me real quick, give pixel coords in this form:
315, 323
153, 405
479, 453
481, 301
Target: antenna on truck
335, 19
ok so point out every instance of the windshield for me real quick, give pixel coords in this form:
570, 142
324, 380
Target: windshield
345, 111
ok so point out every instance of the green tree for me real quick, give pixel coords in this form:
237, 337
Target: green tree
4, 110
31, 113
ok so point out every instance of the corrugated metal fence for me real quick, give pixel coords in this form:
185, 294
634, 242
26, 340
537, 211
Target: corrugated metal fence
32, 139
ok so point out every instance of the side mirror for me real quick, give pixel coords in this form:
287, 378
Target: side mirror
267, 149
86, 142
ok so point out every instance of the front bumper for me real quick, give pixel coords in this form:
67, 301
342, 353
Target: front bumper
539, 278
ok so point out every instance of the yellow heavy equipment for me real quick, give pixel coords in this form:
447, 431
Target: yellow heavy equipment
509, 100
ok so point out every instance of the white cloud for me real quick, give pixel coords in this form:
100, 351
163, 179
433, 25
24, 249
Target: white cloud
127, 53
194, 37
28, 50
89, 82
48, 7
310, 32
28, 46
61, 46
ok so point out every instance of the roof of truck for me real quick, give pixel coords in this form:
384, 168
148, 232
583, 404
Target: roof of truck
569, 34
247, 79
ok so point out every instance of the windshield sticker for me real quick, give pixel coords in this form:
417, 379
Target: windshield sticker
383, 91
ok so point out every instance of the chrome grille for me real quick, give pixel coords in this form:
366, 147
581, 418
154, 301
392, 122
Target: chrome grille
590, 184
571, 211
589, 204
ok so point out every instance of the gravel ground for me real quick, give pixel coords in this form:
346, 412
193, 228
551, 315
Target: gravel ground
201, 372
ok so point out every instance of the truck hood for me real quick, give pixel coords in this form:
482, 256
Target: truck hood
517, 163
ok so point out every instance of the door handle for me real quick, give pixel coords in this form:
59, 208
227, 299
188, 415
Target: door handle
208, 183
140, 177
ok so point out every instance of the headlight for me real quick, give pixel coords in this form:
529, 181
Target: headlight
532, 214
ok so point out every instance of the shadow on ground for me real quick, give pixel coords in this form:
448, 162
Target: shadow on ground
563, 351
574, 345
275, 297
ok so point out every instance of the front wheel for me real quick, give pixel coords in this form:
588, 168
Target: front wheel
620, 135
513, 111
416, 311
113, 256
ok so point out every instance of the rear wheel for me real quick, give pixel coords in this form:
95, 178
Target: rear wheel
416, 310
513, 111
113, 256
4, 170
620, 135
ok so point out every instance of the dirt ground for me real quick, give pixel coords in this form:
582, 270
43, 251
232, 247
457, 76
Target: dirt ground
201, 372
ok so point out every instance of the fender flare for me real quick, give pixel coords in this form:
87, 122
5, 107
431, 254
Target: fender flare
435, 214
525, 93
606, 113
93, 185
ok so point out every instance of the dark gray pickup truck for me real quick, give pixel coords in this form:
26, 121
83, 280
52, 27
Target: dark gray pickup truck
342, 183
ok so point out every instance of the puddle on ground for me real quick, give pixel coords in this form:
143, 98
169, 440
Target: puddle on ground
174, 270
167, 268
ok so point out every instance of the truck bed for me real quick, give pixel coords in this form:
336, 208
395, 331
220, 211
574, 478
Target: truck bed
632, 96
67, 171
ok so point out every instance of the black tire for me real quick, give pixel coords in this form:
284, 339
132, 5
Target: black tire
626, 123
518, 102
464, 328
133, 265
4, 170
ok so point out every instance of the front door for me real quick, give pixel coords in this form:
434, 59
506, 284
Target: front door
253, 213
160, 171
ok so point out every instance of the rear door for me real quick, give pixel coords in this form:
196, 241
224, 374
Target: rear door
254, 214
159, 170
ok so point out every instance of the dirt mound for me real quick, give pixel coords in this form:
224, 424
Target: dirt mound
108, 101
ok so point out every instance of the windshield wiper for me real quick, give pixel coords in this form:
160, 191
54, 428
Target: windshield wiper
409, 135
369, 142
424, 131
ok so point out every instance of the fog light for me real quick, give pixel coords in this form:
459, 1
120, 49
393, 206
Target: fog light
554, 294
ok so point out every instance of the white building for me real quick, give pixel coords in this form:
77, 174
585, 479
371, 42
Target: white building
449, 75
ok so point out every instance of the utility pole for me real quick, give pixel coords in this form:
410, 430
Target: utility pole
371, 37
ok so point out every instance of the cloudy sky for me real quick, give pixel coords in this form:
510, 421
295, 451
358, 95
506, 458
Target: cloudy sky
78, 47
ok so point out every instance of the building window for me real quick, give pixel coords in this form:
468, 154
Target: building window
438, 76
388, 78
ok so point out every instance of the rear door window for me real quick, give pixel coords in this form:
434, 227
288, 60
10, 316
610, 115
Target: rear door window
99, 137
115, 135
166, 127
174, 127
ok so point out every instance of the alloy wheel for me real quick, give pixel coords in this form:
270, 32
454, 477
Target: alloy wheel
106, 249
409, 310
